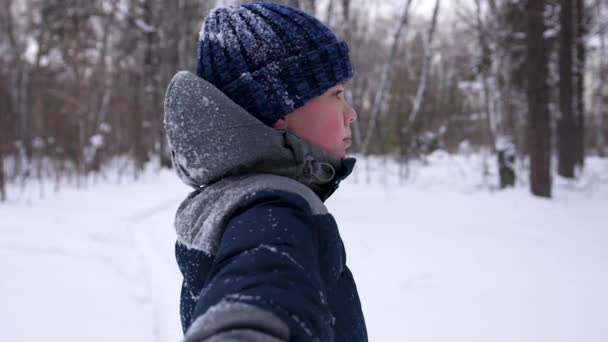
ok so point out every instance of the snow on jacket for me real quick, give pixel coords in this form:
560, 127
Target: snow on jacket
261, 257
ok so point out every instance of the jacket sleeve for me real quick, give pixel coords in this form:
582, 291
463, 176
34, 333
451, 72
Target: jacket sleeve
265, 284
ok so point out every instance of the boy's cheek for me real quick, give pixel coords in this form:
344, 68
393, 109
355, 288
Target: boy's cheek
334, 133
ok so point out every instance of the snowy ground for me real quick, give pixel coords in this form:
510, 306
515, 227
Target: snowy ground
439, 257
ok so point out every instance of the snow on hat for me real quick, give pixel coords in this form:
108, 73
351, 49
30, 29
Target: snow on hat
270, 59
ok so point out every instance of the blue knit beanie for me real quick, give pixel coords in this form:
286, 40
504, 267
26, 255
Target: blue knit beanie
270, 59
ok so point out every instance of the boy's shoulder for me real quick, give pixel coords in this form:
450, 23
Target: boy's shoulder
202, 218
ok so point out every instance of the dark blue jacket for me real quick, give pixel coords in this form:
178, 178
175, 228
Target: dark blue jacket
262, 259
277, 256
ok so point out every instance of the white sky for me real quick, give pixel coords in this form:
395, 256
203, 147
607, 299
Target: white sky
419, 7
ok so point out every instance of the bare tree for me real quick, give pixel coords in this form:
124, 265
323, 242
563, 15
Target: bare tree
485, 66
384, 79
600, 89
579, 75
539, 127
424, 72
567, 136
5, 113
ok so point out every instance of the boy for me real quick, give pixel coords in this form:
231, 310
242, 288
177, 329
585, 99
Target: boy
261, 134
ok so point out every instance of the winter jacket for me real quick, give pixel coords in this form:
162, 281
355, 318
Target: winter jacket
261, 258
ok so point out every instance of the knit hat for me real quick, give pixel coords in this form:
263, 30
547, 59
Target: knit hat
270, 59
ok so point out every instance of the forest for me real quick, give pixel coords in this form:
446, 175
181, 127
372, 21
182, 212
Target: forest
82, 82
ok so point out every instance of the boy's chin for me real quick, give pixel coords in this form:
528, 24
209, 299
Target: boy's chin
341, 154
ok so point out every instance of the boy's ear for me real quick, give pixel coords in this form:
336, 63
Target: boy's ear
280, 124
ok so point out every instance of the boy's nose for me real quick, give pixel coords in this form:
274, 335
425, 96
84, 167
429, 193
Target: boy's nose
350, 115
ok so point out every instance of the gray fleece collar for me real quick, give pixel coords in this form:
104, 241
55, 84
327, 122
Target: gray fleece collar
211, 138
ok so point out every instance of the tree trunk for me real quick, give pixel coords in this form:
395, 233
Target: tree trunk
424, 73
581, 54
2, 181
539, 128
506, 166
567, 136
346, 35
4, 139
383, 85
485, 65
328, 13
599, 94
598, 98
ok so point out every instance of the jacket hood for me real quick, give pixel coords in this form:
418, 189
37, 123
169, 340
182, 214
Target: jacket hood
211, 138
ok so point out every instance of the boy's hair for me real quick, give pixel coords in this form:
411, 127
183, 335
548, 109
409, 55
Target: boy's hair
270, 59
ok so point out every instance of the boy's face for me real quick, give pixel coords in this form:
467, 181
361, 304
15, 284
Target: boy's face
324, 120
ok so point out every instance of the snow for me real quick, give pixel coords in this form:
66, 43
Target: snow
505, 143
145, 27
439, 256
470, 265
105, 127
550, 33
97, 140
